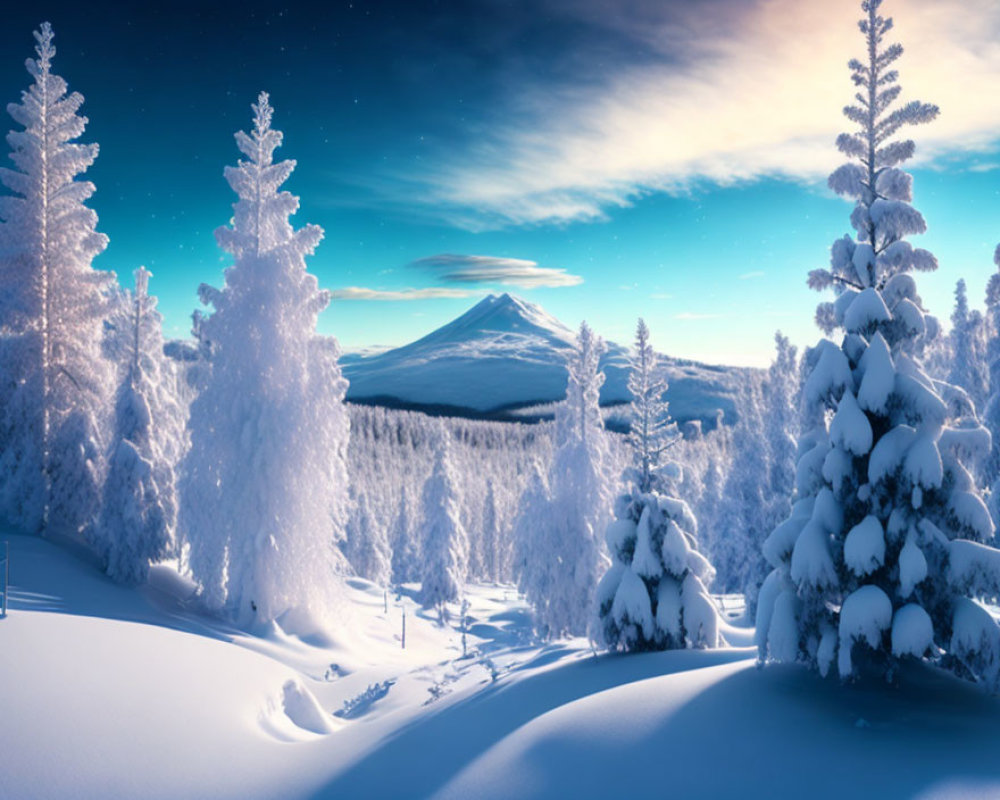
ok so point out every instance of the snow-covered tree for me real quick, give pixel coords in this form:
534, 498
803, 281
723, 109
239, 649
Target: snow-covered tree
651, 431
493, 550
139, 504
445, 542
882, 550
990, 469
405, 557
780, 418
264, 492
711, 501
55, 390
367, 544
744, 519
968, 370
534, 508
133, 344
653, 596
567, 555
781, 392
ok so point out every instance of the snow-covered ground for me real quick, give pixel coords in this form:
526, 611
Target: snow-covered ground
113, 692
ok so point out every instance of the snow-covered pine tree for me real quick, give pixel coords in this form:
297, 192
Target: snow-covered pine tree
710, 502
367, 543
534, 508
883, 549
566, 550
445, 542
357, 513
651, 431
782, 390
56, 387
968, 370
134, 330
781, 395
653, 596
743, 520
139, 503
264, 491
493, 555
990, 469
405, 557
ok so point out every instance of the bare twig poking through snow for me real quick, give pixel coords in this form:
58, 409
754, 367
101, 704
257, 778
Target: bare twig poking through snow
465, 627
356, 706
5, 578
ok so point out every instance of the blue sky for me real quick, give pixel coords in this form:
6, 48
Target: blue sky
606, 160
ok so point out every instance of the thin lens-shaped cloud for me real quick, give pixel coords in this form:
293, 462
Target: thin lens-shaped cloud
455, 268
434, 293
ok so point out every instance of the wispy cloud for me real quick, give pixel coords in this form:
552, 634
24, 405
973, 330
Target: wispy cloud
519, 272
726, 103
749, 276
433, 293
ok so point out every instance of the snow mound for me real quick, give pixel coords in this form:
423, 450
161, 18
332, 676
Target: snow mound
705, 727
296, 705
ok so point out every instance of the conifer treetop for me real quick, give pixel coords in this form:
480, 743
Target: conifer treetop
883, 217
260, 144
45, 49
651, 431
260, 217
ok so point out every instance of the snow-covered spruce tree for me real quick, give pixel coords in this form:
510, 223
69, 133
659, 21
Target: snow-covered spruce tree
367, 543
139, 504
445, 542
534, 508
968, 370
651, 432
566, 546
55, 390
405, 557
710, 500
882, 552
781, 392
653, 596
758, 487
743, 520
264, 491
990, 469
493, 556
133, 335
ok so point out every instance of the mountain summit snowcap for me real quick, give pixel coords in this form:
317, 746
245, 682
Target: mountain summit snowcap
501, 314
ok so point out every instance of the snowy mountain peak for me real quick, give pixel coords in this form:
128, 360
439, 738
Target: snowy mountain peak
506, 352
500, 314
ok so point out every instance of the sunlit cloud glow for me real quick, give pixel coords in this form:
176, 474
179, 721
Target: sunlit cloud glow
758, 99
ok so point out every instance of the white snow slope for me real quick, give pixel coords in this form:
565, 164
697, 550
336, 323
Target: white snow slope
507, 352
108, 692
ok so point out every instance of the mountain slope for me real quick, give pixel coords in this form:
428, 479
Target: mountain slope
506, 353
